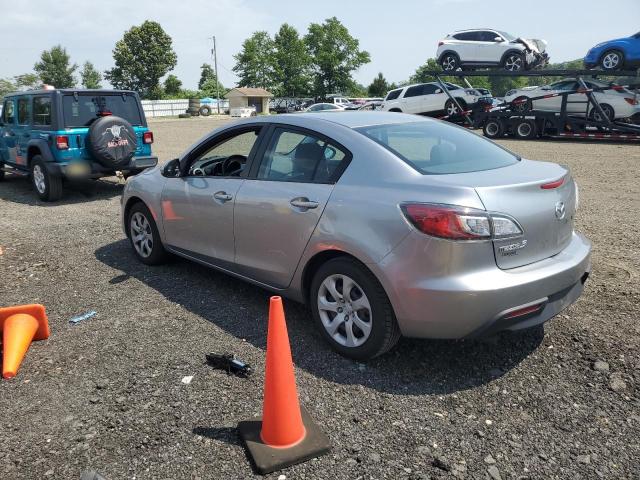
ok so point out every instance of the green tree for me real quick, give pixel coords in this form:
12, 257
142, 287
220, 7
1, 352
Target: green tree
27, 81
6, 86
379, 87
357, 90
254, 63
209, 84
90, 77
143, 56
335, 56
291, 63
172, 86
54, 68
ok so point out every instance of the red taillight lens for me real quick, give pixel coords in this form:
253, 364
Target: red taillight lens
147, 137
551, 185
631, 101
62, 142
440, 44
448, 222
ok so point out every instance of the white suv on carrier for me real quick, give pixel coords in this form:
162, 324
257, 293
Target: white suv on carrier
490, 48
426, 98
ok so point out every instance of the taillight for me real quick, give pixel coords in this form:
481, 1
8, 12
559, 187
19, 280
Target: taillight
448, 222
552, 185
440, 43
631, 101
62, 142
459, 223
147, 137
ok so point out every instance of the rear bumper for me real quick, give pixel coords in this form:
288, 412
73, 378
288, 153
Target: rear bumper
465, 303
98, 170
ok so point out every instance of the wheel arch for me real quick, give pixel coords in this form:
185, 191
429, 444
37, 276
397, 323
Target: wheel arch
127, 208
614, 48
447, 52
38, 147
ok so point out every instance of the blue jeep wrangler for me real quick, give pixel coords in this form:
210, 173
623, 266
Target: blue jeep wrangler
57, 135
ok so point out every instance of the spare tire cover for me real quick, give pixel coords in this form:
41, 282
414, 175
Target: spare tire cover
112, 141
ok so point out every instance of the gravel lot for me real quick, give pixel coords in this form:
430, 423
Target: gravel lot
106, 394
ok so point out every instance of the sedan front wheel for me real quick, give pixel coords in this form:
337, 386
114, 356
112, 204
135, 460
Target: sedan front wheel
144, 236
352, 310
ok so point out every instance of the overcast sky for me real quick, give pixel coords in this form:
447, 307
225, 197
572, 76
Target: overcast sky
400, 35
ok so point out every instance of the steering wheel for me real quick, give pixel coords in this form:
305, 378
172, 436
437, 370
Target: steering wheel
239, 160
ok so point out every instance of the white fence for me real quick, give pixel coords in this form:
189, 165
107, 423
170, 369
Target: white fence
164, 108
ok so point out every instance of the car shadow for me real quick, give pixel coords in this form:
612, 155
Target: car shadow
241, 309
18, 189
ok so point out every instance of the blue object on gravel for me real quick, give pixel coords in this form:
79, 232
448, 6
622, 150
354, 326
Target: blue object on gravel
80, 318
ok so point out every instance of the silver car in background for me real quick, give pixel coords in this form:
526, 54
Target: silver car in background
385, 224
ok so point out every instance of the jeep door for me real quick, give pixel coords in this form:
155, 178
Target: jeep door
22, 129
278, 208
197, 207
8, 139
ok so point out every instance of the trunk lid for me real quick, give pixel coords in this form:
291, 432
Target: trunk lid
544, 214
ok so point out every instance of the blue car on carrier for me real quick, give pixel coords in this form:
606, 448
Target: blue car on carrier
615, 54
65, 134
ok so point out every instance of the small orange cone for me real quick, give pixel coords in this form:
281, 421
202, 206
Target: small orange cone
20, 326
286, 435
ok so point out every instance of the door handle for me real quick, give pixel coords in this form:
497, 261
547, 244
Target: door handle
303, 203
222, 196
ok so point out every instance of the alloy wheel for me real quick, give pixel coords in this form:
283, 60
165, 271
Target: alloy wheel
611, 61
38, 179
513, 63
449, 63
344, 310
141, 234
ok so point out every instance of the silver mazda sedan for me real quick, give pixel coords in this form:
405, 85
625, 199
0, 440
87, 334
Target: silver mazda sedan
385, 224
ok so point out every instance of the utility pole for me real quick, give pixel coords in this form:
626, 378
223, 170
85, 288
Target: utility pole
215, 63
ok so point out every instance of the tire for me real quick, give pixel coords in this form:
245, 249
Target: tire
493, 128
608, 111
184, 115
521, 104
612, 60
450, 62
525, 130
2, 172
152, 253
450, 108
112, 142
47, 186
377, 312
205, 110
513, 62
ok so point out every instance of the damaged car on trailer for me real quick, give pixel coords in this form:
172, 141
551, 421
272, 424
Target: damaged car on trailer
477, 48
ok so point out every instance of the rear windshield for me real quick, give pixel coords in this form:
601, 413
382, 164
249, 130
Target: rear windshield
393, 94
83, 109
435, 148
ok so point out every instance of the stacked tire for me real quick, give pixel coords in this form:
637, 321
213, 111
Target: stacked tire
194, 107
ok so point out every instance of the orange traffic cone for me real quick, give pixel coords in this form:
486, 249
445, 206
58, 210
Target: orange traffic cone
286, 435
20, 326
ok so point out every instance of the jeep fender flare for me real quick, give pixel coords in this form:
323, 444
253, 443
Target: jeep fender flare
39, 146
513, 50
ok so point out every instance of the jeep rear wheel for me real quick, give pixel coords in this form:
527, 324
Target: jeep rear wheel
47, 186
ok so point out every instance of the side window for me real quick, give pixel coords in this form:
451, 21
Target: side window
487, 36
565, 86
9, 112
23, 111
227, 158
294, 156
414, 91
468, 36
393, 94
42, 111
429, 88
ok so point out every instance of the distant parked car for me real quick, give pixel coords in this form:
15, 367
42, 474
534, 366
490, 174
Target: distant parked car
615, 103
384, 224
615, 54
325, 107
429, 98
55, 135
490, 48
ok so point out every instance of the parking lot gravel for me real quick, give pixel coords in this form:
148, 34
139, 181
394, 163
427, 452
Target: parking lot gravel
106, 394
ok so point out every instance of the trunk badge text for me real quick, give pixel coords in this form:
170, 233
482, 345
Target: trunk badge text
512, 248
560, 210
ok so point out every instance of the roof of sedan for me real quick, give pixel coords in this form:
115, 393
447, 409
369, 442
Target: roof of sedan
351, 119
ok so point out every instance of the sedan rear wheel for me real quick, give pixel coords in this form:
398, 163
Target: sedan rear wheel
352, 310
144, 236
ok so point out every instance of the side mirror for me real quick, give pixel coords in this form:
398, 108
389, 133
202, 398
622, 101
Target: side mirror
497, 39
172, 169
438, 90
